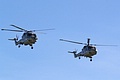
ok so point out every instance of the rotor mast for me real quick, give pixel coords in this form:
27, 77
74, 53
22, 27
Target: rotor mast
88, 42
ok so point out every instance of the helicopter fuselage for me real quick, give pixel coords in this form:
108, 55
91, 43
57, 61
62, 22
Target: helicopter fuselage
27, 39
87, 51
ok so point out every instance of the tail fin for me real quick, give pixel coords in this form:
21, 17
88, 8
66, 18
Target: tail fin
74, 52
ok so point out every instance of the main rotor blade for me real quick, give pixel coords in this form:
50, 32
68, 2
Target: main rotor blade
12, 30
72, 42
43, 30
102, 45
18, 27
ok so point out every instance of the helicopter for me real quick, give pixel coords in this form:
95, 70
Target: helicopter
28, 37
88, 51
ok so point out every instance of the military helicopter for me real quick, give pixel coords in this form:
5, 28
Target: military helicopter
88, 50
28, 37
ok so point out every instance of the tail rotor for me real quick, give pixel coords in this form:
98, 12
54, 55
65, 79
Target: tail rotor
15, 39
74, 52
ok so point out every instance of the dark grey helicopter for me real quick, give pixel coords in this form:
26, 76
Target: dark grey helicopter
28, 37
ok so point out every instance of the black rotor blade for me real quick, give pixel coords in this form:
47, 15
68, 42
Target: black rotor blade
18, 27
72, 42
12, 30
102, 45
43, 30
